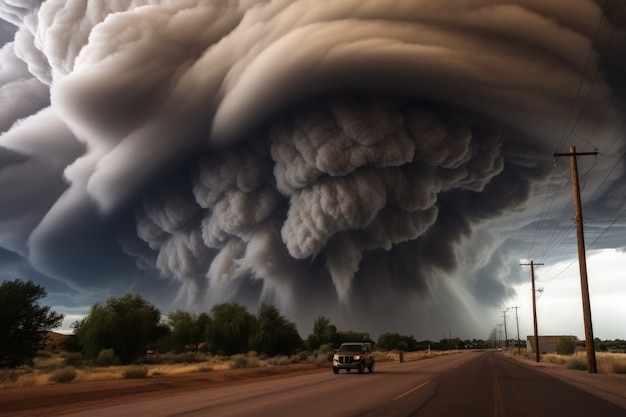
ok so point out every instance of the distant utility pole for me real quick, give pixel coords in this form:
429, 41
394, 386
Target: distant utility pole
519, 348
506, 336
532, 278
589, 342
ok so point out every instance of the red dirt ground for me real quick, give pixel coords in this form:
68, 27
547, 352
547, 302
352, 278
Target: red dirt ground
59, 399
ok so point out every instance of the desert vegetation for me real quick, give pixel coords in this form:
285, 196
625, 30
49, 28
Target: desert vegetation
64, 367
72, 367
607, 363
127, 337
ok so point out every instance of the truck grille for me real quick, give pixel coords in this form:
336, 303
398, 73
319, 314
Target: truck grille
345, 359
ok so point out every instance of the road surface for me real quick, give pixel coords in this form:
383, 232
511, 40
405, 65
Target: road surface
480, 384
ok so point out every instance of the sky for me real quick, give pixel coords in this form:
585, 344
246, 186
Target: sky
387, 164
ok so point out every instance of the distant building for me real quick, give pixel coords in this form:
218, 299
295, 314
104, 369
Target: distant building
547, 344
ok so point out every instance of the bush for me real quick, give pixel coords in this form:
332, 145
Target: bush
135, 372
107, 357
243, 361
171, 358
64, 375
8, 375
279, 360
579, 364
566, 346
619, 368
75, 359
320, 359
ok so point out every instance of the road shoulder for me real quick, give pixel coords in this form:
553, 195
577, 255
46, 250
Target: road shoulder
610, 387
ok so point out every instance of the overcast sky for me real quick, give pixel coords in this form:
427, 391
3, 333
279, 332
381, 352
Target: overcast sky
387, 164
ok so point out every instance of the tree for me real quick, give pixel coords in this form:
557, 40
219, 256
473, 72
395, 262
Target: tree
323, 333
274, 333
230, 328
126, 324
23, 322
187, 329
391, 341
566, 346
352, 336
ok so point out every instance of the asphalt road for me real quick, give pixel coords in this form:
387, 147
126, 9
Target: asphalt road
481, 384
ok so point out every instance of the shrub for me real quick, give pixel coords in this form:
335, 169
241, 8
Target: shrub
243, 361
279, 360
300, 357
107, 357
75, 359
171, 358
8, 375
135, 372
577, 363
63, 375
619, 368
566, 346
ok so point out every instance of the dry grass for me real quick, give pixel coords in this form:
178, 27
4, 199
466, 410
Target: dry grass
411, 356
47, 364
606, 363
52, 367
611, 363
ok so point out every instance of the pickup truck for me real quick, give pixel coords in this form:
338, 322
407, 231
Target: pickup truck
354, 355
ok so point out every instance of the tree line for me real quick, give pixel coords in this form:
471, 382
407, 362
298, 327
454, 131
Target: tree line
131, 326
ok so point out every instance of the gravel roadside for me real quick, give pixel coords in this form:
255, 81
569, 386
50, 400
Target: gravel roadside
611, 387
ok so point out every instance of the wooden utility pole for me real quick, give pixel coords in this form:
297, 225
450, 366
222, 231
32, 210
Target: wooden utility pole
532, 278
584, 285
519, 348
506, 336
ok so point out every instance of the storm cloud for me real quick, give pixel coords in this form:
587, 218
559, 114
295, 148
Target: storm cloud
384, 163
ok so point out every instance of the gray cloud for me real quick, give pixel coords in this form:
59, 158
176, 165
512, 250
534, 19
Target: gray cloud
375, 162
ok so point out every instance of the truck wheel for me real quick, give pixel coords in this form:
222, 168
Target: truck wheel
361, 368
371, 367
335, 370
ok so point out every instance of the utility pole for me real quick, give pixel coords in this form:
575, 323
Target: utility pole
582, 262
519, 348
506, 336
532, 278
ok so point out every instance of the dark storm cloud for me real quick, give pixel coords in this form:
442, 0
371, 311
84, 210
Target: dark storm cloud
367, 160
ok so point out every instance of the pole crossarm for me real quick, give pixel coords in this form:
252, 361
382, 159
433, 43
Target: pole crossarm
555, 154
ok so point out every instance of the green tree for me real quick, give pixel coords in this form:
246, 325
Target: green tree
566, 346
23, 322
274, 333
230, 328
187, 329
323, 333
391, 341
352, 336
127, 325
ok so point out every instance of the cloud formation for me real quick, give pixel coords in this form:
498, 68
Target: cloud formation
350, 158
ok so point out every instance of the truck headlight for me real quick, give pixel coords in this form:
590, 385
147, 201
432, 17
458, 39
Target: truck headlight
357, 357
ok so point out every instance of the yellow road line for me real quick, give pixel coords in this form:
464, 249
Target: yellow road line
410, 391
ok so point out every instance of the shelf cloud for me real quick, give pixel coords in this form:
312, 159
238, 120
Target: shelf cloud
384, 163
